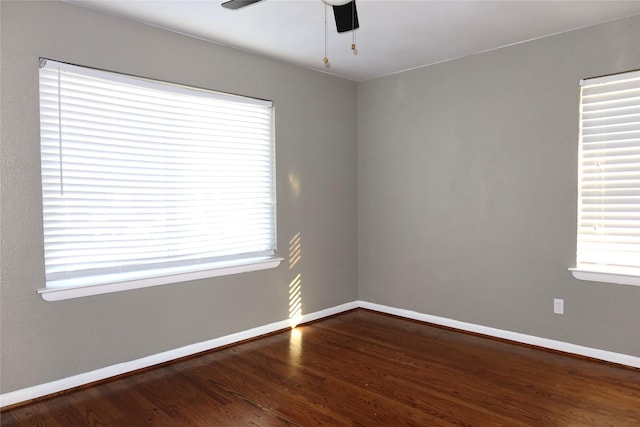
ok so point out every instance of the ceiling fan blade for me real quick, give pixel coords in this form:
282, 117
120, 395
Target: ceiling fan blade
237, 4
346, 17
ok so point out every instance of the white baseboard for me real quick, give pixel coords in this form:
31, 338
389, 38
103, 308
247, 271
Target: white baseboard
52, 387
29, 393
609, 356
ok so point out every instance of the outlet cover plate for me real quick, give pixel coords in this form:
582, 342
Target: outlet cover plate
558, 306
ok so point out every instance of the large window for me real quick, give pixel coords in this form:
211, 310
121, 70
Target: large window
609, 180
147, 183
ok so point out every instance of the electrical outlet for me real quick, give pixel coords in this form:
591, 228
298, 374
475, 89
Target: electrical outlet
558, 306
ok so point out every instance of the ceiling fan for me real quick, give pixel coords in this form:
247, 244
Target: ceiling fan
344, 12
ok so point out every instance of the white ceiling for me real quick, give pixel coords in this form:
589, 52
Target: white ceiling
394, 35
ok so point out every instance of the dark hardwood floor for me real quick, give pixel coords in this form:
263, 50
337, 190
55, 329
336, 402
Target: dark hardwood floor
358, 368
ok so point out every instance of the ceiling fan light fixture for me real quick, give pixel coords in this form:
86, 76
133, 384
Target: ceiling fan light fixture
336, 2
346, 15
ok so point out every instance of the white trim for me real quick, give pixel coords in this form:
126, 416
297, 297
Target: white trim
40, 390
609, 356
603, 276
225, 269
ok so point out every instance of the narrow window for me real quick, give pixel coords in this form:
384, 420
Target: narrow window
609, 179
146, 182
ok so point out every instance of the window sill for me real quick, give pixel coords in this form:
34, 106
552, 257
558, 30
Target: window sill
606, 277
239, 266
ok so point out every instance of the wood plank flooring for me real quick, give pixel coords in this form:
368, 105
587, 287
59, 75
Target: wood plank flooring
359, 368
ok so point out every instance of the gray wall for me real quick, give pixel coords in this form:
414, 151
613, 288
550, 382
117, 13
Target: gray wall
467, 189
316, 147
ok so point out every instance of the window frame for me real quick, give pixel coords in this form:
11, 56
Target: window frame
212, 267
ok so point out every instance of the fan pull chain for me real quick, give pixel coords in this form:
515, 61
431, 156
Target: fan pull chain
326, 36
353, 26
353, 43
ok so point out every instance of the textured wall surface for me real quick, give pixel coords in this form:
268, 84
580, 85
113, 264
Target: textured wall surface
316, 180
467, 177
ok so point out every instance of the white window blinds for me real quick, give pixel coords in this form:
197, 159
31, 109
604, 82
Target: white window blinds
142, 179
609, 179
